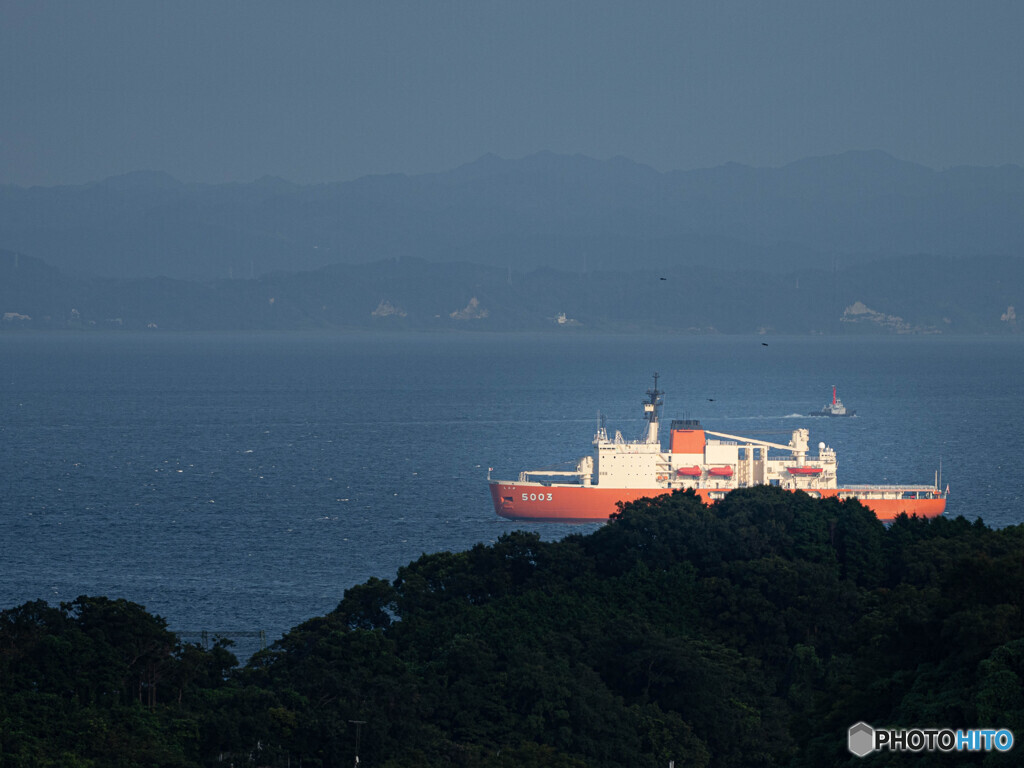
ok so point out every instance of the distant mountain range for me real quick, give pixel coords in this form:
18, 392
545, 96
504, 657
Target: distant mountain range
569, 213
854, 243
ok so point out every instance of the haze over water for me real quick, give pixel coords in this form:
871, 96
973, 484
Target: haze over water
243, 482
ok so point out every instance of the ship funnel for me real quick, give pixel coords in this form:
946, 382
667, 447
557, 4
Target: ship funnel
798, 445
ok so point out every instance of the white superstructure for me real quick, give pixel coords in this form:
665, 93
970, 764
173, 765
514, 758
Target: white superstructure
694, 461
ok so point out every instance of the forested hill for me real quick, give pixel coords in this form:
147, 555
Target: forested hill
751, 633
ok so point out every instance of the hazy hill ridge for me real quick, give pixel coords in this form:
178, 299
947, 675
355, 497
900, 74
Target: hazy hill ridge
571, 213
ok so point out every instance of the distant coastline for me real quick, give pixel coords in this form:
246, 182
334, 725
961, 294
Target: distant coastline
966, 296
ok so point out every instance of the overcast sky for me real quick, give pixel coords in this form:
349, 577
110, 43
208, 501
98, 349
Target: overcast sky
314, 91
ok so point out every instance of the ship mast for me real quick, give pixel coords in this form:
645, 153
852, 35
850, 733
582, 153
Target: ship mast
651, 406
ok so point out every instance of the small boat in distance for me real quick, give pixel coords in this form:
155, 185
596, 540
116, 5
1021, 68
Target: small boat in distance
711, 464
835, 408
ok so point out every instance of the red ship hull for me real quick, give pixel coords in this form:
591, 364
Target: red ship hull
579, 504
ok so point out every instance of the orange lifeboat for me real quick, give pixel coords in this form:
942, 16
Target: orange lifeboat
720, 472
693, 471
804, 471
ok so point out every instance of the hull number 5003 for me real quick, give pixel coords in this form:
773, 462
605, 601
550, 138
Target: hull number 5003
536, 497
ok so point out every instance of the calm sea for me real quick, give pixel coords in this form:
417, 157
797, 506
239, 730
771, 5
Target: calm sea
237, 483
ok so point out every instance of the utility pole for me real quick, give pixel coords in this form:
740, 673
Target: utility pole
359, 728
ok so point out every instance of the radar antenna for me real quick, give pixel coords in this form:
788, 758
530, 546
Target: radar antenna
654, 401
651, 406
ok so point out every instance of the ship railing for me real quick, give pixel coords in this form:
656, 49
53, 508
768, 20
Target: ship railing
917, 488
525, 477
